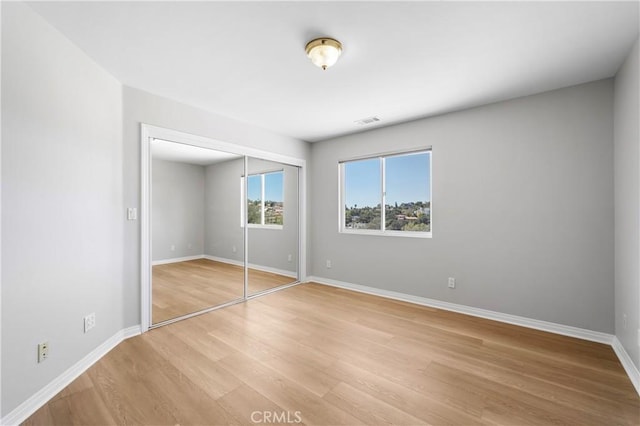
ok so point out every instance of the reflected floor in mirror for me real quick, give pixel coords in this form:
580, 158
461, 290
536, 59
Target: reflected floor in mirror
182, 288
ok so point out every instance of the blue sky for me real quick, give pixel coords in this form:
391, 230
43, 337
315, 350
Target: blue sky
273, 183
407, 180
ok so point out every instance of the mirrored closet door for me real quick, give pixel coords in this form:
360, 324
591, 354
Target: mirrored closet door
222, 227
272, 224
197, 249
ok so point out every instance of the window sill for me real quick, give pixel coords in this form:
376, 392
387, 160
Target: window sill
403, 234
272, 227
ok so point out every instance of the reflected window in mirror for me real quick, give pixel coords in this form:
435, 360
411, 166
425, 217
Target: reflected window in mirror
265, 199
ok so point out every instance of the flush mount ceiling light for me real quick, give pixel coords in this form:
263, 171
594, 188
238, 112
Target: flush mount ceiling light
324, 51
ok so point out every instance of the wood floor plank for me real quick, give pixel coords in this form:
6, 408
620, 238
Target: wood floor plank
433, 403
286, 393
207, 374
192, 334
190, 403
250, 406
70, 409
367, 408
284, 339
292, 367
128, 399
339, 357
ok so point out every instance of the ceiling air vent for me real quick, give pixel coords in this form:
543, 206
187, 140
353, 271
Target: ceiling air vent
367, 121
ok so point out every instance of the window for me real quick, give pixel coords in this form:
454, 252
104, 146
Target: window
265, 199
399, 182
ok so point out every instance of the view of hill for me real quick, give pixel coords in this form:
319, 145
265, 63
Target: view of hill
273, 212
412, 216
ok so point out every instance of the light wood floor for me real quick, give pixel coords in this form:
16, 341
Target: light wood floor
339, 357
184, 287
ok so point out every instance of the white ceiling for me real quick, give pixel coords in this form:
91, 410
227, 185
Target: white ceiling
183, 153
401, 60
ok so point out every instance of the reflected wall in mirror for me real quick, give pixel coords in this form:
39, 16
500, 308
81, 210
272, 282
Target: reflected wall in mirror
272, 217
197, 243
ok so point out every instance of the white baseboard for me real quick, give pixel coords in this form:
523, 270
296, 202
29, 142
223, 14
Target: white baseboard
176, 260
627, 363
277, 271
262, 268
566, 330
37, 400
131, 332
224, 260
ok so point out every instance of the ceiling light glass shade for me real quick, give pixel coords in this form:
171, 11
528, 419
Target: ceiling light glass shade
324, 52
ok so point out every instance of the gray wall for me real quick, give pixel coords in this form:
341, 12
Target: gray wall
522, 209
142, 107
177, 209
627, 205
222, 201
62, 205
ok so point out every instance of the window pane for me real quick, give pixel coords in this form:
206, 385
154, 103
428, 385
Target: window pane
362, 194
274, 199
408, 197
254, 199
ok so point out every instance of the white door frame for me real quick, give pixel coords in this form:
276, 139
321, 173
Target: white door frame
149, 132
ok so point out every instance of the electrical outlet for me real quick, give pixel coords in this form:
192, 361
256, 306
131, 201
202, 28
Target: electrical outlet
234, 249
452, 282
328, 264
43, 351
89, 322
290, 258
173, 248
624, 321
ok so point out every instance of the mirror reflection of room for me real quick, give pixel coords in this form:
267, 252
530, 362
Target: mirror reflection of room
272, 216
197, 241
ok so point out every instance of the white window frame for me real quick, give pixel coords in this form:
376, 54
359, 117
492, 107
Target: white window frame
383, 196
260, 225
